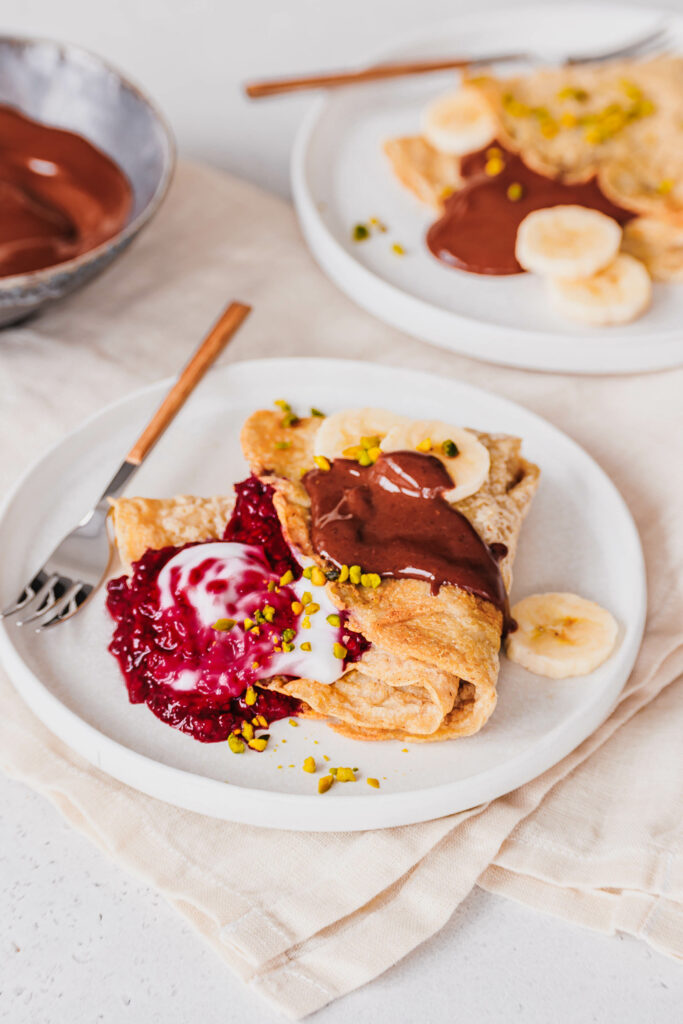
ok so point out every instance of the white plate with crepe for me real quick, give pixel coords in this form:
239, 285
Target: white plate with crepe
341, 177
579, 536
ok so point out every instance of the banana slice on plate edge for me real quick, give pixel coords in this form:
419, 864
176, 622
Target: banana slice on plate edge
560, 635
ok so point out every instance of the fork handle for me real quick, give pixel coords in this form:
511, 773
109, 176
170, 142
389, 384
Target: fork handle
274, 86
212, 346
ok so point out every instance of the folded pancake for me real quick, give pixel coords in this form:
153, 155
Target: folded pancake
432, 669
144, 523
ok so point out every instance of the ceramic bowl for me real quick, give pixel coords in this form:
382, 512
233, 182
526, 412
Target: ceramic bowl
68, 87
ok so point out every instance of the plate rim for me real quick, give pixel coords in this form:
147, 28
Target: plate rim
352, 813
409, 313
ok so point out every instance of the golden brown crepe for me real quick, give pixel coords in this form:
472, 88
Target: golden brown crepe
144, 523
621, 121
431, 672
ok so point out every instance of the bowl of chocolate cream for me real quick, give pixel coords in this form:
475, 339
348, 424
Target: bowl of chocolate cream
85, 162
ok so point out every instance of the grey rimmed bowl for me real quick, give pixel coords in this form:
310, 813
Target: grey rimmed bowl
68, 87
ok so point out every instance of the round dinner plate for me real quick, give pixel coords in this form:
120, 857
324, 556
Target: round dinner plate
340, 177
579, 536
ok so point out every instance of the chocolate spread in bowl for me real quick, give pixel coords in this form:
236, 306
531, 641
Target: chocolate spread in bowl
478, 229
390, 518
60, 196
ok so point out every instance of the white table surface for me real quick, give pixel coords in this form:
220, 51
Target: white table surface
80, 941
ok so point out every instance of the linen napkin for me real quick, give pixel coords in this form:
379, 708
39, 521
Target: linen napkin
598, 839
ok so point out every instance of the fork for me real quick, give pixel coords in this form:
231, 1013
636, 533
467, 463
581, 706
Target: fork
80, 562
654, 41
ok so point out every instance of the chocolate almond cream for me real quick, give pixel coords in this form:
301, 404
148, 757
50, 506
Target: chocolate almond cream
478, 229
60, 196
390, 518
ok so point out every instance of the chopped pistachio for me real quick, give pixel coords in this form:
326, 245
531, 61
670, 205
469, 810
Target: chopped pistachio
317, 412
288, 634
332, 573
306, 646
318, 576
425, 445
305, 622
268, 613
360, 233
235, 744
287, 646
515, 191
322, 463
344, 574
364, 459
339, 651
223, 625
334, 620
373, 782
494, 166
287, 578
282, 404
449, 448
398, 249
293, 721
256, 630
290, 419
374, 453
312, 608
370, 441
248, 623
271, 586
325, 783
307, 572
297, 607
248, 730
260, 743
309, 765
306, 597
282, 445
355, 573
250, 696
345, 775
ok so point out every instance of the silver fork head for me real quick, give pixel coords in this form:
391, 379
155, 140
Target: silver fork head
75, 568
656, 41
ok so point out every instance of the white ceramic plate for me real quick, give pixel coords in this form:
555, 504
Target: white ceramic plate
579, 536
340, 177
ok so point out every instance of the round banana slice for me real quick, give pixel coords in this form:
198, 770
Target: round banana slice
466, 458
459, 122
343, 430
616, 295
560, 635
567, 241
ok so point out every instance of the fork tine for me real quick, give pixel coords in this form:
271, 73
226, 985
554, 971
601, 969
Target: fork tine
51, 614
77, 603
52, 592
37, 601
26, 596
653, 40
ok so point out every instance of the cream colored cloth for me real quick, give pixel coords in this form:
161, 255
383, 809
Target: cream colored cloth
306, 918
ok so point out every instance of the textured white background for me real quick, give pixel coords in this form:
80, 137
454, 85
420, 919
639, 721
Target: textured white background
82, 942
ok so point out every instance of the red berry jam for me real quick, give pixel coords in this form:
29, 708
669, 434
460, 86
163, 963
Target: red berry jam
175, 642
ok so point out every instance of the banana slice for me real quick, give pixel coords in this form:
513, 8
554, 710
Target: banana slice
615, 295
567, 241
459, 122
343, 430
561, 635
469, 461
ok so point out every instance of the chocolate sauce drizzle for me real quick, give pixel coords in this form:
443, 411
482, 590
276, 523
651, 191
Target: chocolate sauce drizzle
478, 228
391, 518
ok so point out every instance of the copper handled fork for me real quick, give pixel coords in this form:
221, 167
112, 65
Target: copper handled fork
79, 563
653, 42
